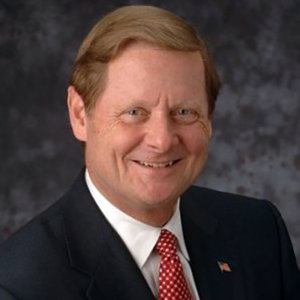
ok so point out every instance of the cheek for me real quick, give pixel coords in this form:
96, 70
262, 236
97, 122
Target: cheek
123, 140
196, 141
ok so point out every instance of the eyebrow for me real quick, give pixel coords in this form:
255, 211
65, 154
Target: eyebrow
193, 104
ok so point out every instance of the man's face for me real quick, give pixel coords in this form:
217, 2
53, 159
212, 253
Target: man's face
148, 134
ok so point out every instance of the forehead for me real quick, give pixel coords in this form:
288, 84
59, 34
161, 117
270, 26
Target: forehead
146, 66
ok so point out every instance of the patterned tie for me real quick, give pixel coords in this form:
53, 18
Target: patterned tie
172, 284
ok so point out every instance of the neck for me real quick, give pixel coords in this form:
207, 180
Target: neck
154, 217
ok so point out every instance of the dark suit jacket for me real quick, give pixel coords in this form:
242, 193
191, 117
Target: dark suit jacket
70, 252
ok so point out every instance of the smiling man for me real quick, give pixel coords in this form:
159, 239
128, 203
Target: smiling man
141, 99
147, 136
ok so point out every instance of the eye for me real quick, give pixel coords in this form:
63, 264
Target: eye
184, 112
134, 115
185, 115
134, 112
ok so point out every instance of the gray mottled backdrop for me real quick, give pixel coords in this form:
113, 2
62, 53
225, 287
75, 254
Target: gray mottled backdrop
255, 149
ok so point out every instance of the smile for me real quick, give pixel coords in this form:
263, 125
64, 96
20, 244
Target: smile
156, 165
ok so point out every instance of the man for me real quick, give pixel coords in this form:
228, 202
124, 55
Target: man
140, 100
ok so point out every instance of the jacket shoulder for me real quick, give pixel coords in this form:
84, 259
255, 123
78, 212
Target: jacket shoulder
226, 204
30, 258
244, 217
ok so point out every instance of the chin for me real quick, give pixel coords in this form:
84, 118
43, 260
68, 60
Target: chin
158, 196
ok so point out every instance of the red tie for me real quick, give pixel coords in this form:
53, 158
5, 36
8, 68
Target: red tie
172, 284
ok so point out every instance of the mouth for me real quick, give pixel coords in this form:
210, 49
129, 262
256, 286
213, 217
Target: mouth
157, 165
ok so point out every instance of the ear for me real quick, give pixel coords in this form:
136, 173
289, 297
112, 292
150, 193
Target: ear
209, 128
77, 114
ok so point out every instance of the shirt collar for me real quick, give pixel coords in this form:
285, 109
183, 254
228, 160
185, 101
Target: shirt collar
139, 238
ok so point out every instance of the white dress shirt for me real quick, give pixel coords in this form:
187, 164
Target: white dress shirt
140, 239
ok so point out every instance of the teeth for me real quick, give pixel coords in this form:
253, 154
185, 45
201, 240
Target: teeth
156, 165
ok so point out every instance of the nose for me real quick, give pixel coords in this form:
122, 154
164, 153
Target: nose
161, 134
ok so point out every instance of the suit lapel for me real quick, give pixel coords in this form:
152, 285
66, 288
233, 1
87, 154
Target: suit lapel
207, 244
97, 252
117, 276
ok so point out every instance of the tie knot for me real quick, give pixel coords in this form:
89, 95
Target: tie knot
166, 244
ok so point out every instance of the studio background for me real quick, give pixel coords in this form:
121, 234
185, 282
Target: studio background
255, 149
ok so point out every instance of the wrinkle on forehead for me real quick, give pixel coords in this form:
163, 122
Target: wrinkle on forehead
173, 68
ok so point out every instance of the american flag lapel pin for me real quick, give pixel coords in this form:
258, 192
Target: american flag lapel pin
224, 266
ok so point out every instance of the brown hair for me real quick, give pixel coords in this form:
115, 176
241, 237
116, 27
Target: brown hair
152, 25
